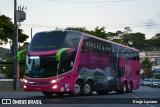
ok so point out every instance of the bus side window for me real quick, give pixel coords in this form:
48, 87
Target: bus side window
67, 62
65, 66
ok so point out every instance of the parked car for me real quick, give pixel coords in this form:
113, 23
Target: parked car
155, 83
147, 82
141, 82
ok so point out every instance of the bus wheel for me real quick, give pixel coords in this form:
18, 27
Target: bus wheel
48, 94
124, 89
88, 88
130, 87
77, 89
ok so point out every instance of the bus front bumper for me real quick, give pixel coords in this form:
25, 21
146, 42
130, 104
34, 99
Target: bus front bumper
46, 88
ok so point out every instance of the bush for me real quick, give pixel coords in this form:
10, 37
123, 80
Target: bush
157, 76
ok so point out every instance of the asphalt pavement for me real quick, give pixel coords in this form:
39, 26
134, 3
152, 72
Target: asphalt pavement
143, 97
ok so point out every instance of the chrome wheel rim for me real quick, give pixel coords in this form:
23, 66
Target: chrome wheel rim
129, 87
124, 88
87, 89
76, 89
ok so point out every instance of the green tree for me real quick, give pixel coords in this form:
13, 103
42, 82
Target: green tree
149, 45
156, 41
157, 76
6, 31
4, 53
137, 40
116, 37
7, 69
147, 67
125, 39
24, 46
126, 36
81, 29
127, 30
99, 32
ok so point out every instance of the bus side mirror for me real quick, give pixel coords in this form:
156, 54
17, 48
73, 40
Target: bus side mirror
59, 54
20, 58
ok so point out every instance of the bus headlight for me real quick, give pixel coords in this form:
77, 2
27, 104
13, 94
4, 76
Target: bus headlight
25, 81
54, 87
56, 80
53, 81
24, 87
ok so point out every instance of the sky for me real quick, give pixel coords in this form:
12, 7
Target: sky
42, 15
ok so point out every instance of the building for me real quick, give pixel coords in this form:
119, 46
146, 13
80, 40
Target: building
154, 57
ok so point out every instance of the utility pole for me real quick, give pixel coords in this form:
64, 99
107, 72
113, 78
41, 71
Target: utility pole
19, 16
15, 45
31, 33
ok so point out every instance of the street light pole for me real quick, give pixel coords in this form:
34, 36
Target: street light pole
15, 44
19, 16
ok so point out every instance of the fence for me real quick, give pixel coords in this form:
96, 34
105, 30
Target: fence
7, 76
8, 84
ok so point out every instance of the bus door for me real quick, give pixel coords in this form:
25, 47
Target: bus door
65, 66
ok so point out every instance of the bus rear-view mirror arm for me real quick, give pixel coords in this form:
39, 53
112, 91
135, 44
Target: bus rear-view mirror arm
60, 52
20, 53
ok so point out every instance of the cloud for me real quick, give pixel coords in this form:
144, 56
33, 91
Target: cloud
152, 24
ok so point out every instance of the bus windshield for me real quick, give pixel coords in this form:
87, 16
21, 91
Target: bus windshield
41, 66
47, 66
46, 41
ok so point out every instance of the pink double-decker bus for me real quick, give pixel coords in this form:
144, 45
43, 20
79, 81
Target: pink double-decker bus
77, 63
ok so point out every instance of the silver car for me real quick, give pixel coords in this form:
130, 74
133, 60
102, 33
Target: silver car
147, 82
155, 83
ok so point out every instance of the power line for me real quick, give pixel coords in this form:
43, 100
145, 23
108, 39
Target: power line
106, 1
89, 26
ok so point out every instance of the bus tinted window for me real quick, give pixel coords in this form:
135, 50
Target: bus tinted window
95, 45
46, 41
72, 40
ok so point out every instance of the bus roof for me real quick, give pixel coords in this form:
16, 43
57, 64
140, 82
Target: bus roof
85, 34
74, 31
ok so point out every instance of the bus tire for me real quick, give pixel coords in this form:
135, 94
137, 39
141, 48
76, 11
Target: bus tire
129, 87
47, 94
124, 88
88, 88
78, 89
